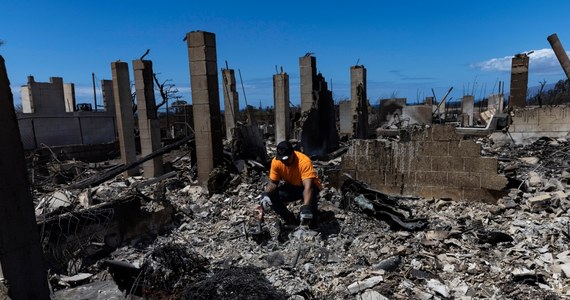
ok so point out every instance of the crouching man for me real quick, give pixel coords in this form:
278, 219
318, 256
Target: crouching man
295, 169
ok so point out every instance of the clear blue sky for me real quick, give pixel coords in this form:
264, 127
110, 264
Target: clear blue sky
408, 47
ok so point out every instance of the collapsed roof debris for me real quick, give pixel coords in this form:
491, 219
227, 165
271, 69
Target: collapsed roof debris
456, 249
169, 237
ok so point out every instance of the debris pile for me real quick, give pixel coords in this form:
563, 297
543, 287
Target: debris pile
367, 244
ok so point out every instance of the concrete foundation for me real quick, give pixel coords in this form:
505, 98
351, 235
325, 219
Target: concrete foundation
205, 102
124, 114
20, 252
149, 124
231, 101
532, 123
281, 104
431, 163
519, 80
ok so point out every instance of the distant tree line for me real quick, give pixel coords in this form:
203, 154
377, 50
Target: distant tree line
559, 94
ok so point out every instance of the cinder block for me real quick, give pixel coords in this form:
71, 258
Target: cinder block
493, 182
364, 163
421, 163
200, 38
464, 179
198, 68
205, 95
465, 148
437, 148
481, 165
447, 163
540, 201
348, 162
408, 178
479, 195
431, 178
443, 133
204, 82
203, 53
373, 178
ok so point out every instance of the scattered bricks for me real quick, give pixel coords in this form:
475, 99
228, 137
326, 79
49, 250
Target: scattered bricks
558, 195
443, 133
534, 179
464, 179
481, 164
434, 148
464, 148
493, 182
449, 163
539, 202
479, 195
421, 163
431, 178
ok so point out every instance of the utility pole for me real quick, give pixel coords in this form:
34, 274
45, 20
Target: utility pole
94, 91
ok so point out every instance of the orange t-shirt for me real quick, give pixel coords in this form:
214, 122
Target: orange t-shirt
301, 168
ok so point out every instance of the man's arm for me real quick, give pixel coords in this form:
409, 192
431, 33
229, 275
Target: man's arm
271, 186
307, 191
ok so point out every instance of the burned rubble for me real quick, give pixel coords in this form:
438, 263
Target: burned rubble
367, 244
417, 212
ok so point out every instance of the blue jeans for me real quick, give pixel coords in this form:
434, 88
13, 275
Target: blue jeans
289, 193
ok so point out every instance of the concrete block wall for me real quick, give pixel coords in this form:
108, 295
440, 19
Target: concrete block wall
44, 97
434, 162
81, 128
531, 123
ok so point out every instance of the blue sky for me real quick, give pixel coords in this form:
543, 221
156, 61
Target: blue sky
408, 47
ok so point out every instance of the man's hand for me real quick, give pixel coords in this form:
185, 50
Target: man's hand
305, 214
265, 201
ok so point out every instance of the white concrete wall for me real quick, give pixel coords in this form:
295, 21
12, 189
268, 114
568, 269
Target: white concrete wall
27, 105
66, 130
69, 96
531, 123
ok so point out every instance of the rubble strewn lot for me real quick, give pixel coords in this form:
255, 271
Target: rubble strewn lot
212, 247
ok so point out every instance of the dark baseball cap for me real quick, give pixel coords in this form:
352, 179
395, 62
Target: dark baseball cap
284, 150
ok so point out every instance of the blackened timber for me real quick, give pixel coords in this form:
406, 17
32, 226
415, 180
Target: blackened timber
96, 180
